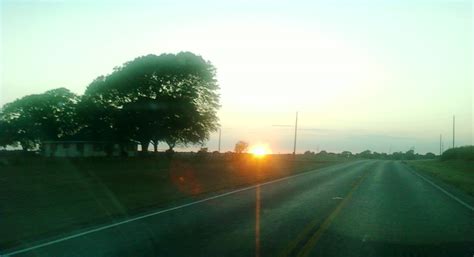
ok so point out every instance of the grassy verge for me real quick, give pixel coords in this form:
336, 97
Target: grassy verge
459, 173
42, 197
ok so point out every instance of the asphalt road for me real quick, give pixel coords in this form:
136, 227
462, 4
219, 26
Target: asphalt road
364, 208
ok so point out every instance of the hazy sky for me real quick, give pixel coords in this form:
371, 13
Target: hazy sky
380, 75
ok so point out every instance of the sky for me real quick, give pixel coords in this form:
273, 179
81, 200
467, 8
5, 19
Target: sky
383, 75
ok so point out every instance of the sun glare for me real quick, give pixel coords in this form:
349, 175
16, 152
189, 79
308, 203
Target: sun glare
259, 150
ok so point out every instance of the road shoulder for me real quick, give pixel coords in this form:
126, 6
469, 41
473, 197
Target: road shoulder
443, 186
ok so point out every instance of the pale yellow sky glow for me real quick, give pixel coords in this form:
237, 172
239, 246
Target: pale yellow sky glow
384, 76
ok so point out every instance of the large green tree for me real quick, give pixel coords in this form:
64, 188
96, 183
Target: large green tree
7, 137
47, 116
171, 98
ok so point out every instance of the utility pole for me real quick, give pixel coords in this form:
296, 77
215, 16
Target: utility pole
296, 130
219, 146
440, 147
454, 125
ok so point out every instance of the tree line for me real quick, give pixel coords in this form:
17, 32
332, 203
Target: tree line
171, 98
367, 154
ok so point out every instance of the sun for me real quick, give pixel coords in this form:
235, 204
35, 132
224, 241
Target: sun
259, 151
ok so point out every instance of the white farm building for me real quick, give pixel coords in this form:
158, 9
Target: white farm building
86, 149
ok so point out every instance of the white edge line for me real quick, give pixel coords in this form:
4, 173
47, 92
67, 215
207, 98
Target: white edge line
157, 212
442, 190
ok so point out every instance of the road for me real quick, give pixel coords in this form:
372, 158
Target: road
363, 208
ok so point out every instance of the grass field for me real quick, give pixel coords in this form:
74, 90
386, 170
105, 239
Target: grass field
459, 173
40, 197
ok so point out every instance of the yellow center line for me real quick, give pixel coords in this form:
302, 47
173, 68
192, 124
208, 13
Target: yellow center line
293, 244
325, 225
312, 225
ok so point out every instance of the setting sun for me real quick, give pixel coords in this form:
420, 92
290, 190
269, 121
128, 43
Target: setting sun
259, 150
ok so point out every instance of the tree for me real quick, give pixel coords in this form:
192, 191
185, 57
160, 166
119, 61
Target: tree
170, 98
97, 119
7, 137
346, 154
459, 153
410, 154
376, 155
47, 116
397, 156
322, 153
430, 155
241, 147
365, 154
